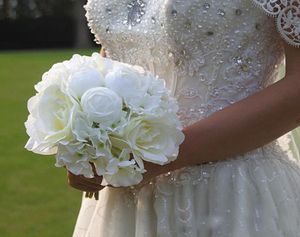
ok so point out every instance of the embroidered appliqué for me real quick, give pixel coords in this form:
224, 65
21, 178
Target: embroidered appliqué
287, 13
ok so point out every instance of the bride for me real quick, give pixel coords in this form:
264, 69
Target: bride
221, 60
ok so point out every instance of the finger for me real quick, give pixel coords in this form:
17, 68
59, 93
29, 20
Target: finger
86, 187
80, 179
85, 184
91, 194
93, 181
97, 195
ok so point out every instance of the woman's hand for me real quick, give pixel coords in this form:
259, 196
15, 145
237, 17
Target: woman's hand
89, 185
85, 184
93, 185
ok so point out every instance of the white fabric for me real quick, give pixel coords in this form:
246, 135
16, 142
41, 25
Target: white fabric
211, 53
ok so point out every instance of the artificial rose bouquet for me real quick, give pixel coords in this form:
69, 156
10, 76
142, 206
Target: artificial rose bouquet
114, 115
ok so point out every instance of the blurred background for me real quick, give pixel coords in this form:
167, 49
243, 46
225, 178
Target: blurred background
32, 24
35, 199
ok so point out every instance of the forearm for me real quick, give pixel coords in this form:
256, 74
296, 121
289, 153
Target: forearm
243, 126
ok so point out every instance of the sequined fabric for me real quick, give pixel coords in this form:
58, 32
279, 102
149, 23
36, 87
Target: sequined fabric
212, 54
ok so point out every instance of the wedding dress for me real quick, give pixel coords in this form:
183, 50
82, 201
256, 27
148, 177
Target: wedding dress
212, 53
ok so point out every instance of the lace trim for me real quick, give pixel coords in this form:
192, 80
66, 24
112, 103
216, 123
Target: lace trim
287, 14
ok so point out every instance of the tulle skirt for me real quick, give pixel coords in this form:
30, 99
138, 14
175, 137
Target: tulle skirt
253, 195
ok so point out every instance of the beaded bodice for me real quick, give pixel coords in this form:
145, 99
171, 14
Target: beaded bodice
211, 53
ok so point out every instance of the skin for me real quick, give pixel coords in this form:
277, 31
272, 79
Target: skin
258, 119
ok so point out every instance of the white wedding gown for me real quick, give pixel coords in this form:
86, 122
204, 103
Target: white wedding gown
212, 53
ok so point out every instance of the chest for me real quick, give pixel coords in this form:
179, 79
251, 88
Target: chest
183, 33
204, 18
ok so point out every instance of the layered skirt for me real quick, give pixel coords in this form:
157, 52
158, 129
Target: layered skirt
253, 195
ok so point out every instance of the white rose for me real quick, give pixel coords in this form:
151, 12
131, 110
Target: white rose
88, 67
105, 165
106, 161
126, 176
85, 132
153, 139
119, 171
102, 106
82, 127
83, 80
60, 72
129, 83
50, 120
55, 76
75, 162
126, 172
150, 105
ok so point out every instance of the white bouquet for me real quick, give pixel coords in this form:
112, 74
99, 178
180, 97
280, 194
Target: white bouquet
114, 115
